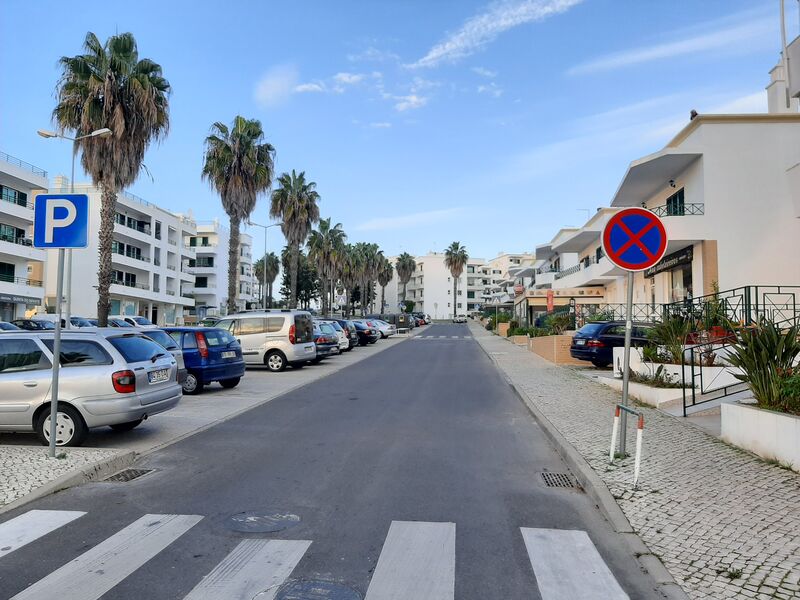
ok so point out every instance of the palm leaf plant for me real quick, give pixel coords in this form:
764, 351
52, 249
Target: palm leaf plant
323, 250
385, 275
272, 265
405, 266
455, 259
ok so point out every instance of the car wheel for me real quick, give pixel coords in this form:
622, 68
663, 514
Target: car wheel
193, 384
275, 361
600, 364
230, 383
70, 427
126, 426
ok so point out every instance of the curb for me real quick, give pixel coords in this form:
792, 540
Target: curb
596, 489
93, 472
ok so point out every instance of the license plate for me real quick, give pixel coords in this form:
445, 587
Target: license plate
309, 349
158, 376
580, 342
229, 354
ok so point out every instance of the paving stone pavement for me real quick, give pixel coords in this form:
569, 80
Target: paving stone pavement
24, 469
725, 523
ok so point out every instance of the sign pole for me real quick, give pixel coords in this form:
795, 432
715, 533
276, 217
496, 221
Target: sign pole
56, 354
626, 363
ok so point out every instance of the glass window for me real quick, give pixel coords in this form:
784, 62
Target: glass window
274, 324
675, 204
218, 337
189, 341
303, 329
21, 355
327, 329
681, 283
162, 338
252, 326
615, 330
80, 353
228, 324
136, 348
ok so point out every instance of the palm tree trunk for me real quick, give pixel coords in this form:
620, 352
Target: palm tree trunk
455, 289
324, 294
269, 294
108, 208
383, 298
295, 251
233, 266
404, 291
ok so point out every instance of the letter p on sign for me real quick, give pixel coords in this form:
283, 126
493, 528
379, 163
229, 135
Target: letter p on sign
61, 221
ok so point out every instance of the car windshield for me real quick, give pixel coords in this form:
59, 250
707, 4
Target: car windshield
163, 338
136, 348
141, 321
119, 323
7, 326
591, 329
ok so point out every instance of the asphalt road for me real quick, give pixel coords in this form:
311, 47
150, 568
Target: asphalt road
425, 438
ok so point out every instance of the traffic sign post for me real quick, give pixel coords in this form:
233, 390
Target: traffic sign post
59, 221
634, 239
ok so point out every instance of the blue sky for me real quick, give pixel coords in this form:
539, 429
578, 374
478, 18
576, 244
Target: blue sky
422, 122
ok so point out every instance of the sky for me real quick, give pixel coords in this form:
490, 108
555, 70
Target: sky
422, 122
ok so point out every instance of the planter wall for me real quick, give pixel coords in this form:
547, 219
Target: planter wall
555, 348
646, 394
502, 329
519, 340
771, 435
712, 377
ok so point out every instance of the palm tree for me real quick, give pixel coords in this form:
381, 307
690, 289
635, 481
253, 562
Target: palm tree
295, 204
239, 165
272, 265
369, 259
349, 273
323, 249
405, 266
385, 275
109, 87
455, 259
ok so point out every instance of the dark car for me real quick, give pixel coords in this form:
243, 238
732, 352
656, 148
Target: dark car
327, 341
209, 354
595, 342
4, 326
349, 330
33, 324
366, 334
210, 321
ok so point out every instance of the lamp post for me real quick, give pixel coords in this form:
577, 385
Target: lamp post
264, 258
104, 132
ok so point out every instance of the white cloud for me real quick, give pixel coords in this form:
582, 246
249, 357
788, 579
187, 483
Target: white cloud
408, 220
483, 28
410, 102
492, 89
381, 125
373, 54
348, 78
483, 72
315, 87
275, 87
740, 36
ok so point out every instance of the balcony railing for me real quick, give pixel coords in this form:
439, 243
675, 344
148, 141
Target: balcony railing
22, 241
187, 294
679, 210
170, 293
134, 256
569, 271
20, 280
26, 204
13, 160
140, 227
141, 286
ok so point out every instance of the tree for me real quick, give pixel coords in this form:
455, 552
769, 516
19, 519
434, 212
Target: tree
324, 248
272, 264
239, 165
295, 204
455, 259
369, 262
307, 278
405, 266
109, 87
385, 275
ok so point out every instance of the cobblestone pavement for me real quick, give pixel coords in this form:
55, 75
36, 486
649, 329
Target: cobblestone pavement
23, 469
725, 523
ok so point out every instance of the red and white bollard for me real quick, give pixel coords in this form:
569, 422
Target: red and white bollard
638, 460
614, 433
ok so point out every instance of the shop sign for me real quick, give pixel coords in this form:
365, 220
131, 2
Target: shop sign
14, 299
681, 257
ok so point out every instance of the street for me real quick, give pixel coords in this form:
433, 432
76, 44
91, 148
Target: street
415, 473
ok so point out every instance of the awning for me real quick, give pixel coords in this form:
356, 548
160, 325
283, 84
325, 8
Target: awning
650, 174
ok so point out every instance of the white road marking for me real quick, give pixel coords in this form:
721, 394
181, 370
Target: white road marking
455, 337
567, 565
418, 560
442, 337
254, 569
31, 526
98, 570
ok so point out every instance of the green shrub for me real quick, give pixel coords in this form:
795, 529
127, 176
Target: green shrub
601, 315
790, 388
489, 326
513, 324
660, 379
558, 324
671, 335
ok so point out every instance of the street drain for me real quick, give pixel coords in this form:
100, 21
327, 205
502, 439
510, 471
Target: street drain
127, 475
262, 522
310, 589
558, 480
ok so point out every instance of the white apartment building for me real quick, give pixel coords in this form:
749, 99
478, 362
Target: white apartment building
248, 289
148, 257
21, 265
502, 273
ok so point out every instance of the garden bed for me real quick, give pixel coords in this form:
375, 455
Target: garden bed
769, 434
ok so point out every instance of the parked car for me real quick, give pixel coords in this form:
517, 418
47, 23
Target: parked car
326, 340
460, 319
108, 377
344, 342
350, 330
366, 334
162, 337
82, 322
275, 338
385, 329
135, 321
210, 354
595, 342
116, 322
6, 326
34, 324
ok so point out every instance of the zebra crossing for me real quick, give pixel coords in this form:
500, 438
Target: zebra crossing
417, 560
442, 337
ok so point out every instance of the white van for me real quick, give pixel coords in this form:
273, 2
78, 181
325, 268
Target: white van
274, 338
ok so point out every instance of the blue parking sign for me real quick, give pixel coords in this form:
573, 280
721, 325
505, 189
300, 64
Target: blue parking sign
61, 221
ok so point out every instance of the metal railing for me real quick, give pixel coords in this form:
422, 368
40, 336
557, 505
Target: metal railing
20, 280
679, 210
22, 241
744, 305
26, 204
13, 160
141, 286
569, 271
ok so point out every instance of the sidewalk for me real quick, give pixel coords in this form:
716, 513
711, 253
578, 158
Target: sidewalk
725, 523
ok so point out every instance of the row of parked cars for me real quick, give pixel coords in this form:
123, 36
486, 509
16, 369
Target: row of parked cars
121, 375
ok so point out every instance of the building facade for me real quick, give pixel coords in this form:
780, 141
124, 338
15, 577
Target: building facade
21, 265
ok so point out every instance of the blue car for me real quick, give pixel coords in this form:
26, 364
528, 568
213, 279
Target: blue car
210, 354
595, 342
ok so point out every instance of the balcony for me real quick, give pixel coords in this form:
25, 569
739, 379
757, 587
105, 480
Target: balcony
134, 233
140, 263
20, 290
12, 160
592, 273
21, 247
20, 281
130, 284
678, 210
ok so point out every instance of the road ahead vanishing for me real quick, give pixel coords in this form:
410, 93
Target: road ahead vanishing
413, 475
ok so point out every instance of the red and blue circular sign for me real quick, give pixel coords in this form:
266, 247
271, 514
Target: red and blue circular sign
635, 239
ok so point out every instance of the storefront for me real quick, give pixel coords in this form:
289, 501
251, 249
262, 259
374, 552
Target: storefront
535, 303
678, 269
13, 306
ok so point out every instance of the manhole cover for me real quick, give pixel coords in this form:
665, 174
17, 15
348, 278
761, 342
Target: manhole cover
263, 522
128, 475
310, 589
558, 480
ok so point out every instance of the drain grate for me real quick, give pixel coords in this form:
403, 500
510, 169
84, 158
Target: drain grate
128, 475
310, 589
558, 480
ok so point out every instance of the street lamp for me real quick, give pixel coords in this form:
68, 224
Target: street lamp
103, 132
264, 267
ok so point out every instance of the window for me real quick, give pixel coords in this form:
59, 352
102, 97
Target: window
675, 204
158, 230
459, 292
201, 282
252, 326
9, 233
274, 324
80, 353
136, 348
6, 272
598, 254
189, 341
458, 305
470, 294
218, 338
162, 338
448, 292
14, 196
117, 247
192, 242
615, 330
21, 355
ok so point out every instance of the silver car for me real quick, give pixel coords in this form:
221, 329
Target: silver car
162, 337
112, 377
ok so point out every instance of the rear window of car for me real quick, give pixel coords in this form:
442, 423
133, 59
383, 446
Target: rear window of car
336, 326
81, 353
591, 328
163, 338
218, 337
21, 355
327, 328
136, 348
141, 321
304, 329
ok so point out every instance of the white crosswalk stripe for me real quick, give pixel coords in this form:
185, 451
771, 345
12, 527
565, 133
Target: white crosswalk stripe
418, 560
31, 526
98, 570
255, 568
567, 565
